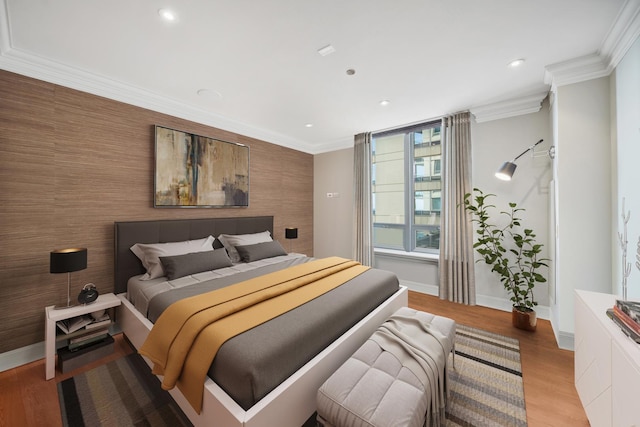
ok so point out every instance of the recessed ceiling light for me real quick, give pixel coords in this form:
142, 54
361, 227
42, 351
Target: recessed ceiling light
516, 63
167, 15
351, 72
327, 50
385, 102
309, 125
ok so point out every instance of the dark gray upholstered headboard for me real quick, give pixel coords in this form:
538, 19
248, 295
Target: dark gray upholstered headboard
128, 233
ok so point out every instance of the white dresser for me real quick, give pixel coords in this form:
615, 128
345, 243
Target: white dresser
607, 364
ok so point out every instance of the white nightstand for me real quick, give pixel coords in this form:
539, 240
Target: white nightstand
53, 315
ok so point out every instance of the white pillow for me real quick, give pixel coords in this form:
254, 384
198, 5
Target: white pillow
230, 241
150, 253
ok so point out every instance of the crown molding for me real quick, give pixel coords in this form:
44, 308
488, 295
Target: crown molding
17, 61
623, 33
509, 108
576, 70
339, 144
43, 69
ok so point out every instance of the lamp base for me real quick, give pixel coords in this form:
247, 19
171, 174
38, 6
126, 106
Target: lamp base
69, 305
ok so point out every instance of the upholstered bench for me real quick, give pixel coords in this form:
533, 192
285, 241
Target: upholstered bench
386, 381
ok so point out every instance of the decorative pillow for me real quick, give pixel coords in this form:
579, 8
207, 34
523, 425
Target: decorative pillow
150, 253
262, 250
183, 265
230, 241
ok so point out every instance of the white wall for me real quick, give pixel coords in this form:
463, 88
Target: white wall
627, 160
333, 222
333, 217
583, 194
418, 274
493, 143
595, 127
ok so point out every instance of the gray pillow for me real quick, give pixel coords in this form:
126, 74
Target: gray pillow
196, 262
262, 250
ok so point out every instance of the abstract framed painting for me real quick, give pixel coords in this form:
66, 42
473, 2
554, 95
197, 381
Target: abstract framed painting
194, 171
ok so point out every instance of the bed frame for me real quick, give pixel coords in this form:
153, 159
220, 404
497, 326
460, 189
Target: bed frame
292, 402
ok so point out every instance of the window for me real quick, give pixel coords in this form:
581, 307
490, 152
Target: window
407, 191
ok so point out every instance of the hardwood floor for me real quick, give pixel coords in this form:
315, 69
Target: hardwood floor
547, 371
27, 399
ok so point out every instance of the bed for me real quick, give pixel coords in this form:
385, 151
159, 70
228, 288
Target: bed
293, 399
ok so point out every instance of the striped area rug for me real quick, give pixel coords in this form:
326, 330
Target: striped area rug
121, 393
485, 389
486, 386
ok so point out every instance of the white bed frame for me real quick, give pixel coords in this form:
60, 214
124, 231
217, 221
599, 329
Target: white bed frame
292, 402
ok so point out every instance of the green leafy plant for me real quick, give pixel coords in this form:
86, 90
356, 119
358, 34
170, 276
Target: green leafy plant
511, 250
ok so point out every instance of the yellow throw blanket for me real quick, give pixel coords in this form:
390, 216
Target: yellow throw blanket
186, 337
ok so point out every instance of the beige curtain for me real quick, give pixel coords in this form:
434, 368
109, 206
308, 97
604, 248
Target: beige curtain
362, 211
457, 281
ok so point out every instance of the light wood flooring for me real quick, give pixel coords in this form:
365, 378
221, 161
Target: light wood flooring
27, 399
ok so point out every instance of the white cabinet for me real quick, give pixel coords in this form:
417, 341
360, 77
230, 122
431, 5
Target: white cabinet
607, 364
53, 315
625, 382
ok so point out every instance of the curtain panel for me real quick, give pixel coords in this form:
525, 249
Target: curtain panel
457, 280
362, 209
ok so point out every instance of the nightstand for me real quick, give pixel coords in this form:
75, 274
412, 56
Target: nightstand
53, 315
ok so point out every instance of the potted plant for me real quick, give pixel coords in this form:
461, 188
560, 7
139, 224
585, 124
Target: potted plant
511, 251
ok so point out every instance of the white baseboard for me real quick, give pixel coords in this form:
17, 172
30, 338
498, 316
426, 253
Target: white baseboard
483, 300
566, 341
31, 353
22, 356
420, 287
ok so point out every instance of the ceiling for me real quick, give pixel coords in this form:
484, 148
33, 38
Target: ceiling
253, 67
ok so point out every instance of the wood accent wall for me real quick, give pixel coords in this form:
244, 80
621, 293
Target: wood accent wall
72, 163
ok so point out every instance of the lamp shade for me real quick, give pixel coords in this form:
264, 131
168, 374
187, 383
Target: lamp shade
291, 233
506, 171
67, 260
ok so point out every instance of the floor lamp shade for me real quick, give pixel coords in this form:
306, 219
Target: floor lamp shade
508, 168
506, 171
67, 260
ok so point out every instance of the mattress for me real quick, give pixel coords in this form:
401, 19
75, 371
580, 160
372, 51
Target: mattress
252, 364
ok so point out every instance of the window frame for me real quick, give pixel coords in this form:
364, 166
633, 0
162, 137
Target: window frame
410, 228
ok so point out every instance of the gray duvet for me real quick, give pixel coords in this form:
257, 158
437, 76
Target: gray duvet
252, 364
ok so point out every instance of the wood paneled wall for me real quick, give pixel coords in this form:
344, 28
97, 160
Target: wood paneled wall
72, 163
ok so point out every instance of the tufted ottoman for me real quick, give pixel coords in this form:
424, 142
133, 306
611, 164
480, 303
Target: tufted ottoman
386, 381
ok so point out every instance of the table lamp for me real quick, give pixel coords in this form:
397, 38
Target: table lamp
66, 261
290, 233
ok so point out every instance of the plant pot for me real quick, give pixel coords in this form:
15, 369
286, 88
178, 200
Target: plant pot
524, 318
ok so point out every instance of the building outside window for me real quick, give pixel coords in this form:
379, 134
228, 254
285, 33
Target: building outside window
407, 191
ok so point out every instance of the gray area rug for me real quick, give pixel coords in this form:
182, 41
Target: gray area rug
121, 393
486, 387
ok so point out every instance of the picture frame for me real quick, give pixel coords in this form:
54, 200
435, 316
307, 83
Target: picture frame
195, 171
